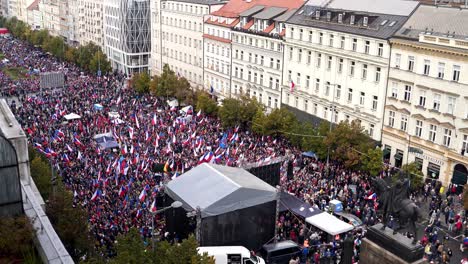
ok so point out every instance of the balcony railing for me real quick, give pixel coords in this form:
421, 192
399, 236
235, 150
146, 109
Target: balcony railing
260, 33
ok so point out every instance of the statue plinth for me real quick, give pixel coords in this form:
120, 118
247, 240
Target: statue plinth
382, 247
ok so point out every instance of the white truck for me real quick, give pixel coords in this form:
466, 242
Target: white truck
231, 255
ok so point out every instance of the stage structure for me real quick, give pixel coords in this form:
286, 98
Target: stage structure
229, 206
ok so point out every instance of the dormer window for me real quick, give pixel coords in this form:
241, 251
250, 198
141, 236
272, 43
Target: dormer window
351, 20
317, 14
365, 21
328, 16
340, 18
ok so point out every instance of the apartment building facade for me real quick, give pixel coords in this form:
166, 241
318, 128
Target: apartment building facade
257, 46
426, 111
338, 57
90, 22
177, 36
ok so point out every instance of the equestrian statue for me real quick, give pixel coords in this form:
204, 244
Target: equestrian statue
395, 201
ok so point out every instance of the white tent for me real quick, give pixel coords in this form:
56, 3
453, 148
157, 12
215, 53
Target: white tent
186, 109
71, 116
329, 223
173, 103
113, 115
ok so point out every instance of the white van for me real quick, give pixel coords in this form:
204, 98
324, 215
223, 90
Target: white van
231, 255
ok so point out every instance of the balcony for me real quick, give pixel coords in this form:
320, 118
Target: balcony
258, 32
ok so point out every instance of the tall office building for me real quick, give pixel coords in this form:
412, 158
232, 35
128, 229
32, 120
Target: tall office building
127, 34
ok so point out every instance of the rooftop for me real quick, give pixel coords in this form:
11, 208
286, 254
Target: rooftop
270, 12
34, 5
427, 19
389, 7
234, 8
349, 17
201, 2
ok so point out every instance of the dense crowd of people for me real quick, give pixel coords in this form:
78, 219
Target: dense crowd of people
118, 187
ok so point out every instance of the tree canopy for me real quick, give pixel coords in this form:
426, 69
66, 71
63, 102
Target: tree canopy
131, 249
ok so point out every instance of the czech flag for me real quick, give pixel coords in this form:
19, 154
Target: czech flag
142, 195
372, 196
153, 208
96, 194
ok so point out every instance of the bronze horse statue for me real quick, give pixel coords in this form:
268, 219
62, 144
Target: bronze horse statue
395, 201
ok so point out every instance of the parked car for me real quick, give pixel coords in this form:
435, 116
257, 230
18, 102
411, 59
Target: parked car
280, 252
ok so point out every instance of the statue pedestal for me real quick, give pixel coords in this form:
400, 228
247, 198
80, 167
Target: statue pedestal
382, 247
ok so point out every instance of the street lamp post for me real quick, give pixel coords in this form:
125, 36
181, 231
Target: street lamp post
175, 204
332, 107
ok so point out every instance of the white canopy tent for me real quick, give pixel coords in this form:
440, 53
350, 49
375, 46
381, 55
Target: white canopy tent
71, 116
329, 223
113, 115
173, 103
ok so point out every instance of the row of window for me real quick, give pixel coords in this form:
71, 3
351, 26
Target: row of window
182, 56
326, 112
448, 105
257, 59
182, 7
338, 41
272, 103
216, 49
219, 33
183, 23
254, 77
193, 77
428, 69
179, 39
259, 43
432, 129
218, 65
364, 74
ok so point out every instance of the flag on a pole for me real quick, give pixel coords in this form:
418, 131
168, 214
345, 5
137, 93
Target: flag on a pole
292, 86
96, 194
153, 207
142, 195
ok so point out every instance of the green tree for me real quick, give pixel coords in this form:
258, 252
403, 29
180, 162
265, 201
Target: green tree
229, 112
39, 37
56, 46
415, 174
130, 249
168, 83
371, 162
99, 61
316, 142
346, 141
71, 55
280, 121
41, 174
16, 238
141, 82
258, 122
70, 223
206, 104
